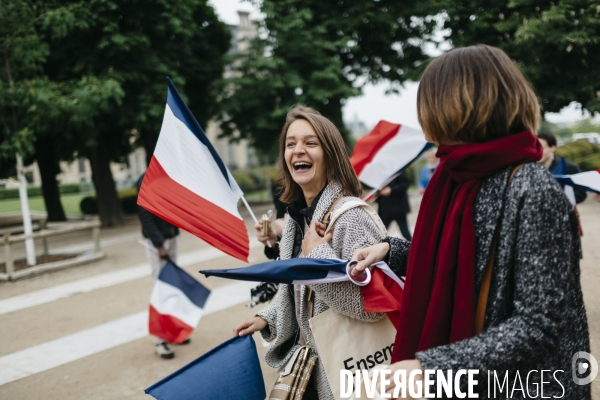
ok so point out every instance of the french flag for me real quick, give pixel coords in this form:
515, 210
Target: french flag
589, 180
385, 152
188, 185
176, 304
383, 293
229, 371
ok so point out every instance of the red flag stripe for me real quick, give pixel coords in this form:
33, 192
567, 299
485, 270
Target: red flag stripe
367, 147
167, 327
383, 294
181, 207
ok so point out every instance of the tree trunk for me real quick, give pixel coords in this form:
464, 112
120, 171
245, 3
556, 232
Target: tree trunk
109, 206
49, 167
149, 142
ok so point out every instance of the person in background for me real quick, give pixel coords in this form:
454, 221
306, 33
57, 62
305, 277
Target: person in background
394, 204
558, 165
161, 239
427, 170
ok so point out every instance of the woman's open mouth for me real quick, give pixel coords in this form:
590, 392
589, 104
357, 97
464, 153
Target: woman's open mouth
302, 166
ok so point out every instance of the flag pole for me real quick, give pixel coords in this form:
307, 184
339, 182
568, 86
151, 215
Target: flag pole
27, 228
253, 216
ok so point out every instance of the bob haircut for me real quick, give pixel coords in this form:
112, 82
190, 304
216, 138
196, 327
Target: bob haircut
475, 94
335, 155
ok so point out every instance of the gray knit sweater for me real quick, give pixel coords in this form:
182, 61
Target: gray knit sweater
353, 230
535, 318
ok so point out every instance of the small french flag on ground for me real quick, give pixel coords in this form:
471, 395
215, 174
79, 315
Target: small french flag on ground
188, 185
387, 150
176, 304
229, 371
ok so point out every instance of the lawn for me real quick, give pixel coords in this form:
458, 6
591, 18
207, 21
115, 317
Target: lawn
70, 203
259, 195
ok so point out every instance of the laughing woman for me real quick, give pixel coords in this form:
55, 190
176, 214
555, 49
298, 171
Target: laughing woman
316, 173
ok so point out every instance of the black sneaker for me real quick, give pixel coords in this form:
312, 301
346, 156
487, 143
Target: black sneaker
186, 341
163, 350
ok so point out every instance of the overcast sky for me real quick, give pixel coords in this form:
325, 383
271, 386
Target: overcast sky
374, 105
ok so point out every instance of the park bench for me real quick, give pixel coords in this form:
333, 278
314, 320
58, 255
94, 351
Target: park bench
8, 239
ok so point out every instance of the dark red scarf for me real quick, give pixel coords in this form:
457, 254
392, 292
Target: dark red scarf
439, 300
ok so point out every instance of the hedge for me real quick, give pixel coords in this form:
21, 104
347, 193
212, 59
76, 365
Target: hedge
582, 153
127, 197
36, 191
249, 181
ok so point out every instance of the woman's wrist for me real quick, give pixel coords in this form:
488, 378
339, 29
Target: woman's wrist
386, 259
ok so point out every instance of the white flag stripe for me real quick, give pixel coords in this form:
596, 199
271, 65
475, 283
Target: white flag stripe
396, 153
330, 278
188, 162
386, 270
169, 300
589, 179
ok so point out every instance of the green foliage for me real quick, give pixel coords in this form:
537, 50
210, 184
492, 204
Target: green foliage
248, 181
89, 206
582, 153
36, 191
318, 53
556, 43
31, 104
585, 126
137, 44
127, 199
556, 130
70, 203
88, 77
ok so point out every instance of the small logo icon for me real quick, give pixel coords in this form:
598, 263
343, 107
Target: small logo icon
584, 368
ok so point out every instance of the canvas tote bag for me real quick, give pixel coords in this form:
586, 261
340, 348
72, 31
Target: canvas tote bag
347, 343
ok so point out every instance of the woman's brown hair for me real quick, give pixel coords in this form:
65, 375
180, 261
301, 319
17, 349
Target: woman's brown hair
335, 154
475, 94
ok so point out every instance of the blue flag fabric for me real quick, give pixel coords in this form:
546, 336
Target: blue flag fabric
229, 371
295, 270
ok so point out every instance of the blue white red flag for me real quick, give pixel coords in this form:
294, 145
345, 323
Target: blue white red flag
176, 304
382, 294
229, 371
188, 185
589, 180
385, 152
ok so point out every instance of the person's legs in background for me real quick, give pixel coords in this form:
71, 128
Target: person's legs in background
403, 225
161, 347
172, 246
386, 219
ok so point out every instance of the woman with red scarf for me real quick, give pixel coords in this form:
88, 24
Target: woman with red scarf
489, 200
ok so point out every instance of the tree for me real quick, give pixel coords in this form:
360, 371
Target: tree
33, 109
556, 43
136, 44
319, 53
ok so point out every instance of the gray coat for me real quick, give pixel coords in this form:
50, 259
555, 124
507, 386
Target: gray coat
353, 230
535, 318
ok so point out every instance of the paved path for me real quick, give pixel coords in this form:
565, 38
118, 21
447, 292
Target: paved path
81, 333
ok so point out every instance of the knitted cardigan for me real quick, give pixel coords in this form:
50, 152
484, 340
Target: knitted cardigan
535, 318
353, 230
